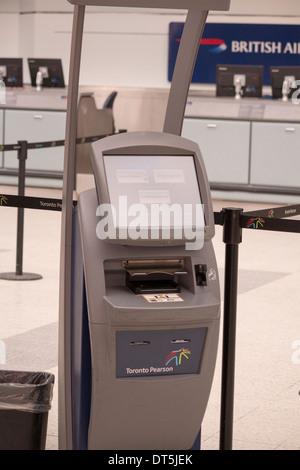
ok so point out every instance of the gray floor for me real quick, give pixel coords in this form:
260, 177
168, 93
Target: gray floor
267, 384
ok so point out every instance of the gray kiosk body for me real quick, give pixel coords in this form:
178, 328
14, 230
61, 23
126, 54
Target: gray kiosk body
152, 305
139, 294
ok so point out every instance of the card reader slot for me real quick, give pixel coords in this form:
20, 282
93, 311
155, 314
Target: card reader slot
178, 341
153, 276
152, 266
139, 343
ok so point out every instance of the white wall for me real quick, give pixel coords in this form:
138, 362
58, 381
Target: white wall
9, 34
121, 47
241, 7
265, 7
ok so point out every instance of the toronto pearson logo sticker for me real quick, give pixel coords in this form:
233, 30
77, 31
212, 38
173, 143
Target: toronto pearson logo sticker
3, 200
175, 357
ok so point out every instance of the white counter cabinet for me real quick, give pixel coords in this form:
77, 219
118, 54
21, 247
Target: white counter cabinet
275, 154
35, 126
224, 145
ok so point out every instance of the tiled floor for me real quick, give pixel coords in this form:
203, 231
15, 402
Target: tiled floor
267, 379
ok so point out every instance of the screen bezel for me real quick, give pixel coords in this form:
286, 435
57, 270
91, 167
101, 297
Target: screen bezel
185, 148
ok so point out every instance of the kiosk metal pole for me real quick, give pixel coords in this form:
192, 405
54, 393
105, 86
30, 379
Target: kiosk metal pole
64, 402
184, 68
232, 237
183, 71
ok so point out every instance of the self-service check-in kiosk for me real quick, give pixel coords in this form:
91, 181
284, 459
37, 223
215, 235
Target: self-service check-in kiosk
140, 319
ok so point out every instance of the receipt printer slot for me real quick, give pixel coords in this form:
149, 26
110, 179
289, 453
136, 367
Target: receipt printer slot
153, 276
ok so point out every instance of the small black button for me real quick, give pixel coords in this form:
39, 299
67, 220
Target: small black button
200, 272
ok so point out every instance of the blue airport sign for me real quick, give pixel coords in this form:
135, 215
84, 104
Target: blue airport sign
237, 43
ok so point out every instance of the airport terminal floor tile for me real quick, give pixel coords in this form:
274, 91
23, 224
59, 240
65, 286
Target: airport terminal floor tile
267, 366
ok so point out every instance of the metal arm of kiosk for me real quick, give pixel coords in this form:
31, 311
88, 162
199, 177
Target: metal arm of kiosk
195, 21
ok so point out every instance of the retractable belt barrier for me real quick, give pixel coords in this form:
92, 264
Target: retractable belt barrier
265, 219
28, 202
233, 220
23, 202
50, 143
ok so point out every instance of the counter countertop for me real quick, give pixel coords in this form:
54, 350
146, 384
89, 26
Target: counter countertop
199, 104
259, 109
29, 98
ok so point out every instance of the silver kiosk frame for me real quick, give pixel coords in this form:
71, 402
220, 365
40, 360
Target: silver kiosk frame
197, 11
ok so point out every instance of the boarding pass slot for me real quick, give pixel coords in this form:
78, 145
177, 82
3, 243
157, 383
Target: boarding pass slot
153, 276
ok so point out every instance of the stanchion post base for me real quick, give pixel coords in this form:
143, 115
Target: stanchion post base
20, 277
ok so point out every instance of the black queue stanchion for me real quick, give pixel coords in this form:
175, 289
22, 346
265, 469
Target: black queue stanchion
21, 201
232, 237
19, 275
234, 220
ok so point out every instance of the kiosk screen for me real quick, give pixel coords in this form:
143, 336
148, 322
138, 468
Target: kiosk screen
158, 192
152, 180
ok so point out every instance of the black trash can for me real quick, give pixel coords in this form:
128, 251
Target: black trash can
25, 400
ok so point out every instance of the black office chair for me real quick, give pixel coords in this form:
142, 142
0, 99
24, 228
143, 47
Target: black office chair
108, 103
92, 121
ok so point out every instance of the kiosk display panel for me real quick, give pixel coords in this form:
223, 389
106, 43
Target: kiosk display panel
154, 197
163, 185
174, 174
